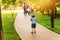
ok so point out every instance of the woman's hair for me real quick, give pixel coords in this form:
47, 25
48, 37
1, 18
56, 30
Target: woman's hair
32, 10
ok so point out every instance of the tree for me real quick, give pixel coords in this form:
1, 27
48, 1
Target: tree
0, 23
6, 3
46, 5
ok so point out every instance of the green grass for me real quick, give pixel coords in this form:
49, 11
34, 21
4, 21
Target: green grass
46, 22
8, 27
58, 12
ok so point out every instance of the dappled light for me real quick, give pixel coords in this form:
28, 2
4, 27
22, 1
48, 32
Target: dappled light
58, 8
40, 4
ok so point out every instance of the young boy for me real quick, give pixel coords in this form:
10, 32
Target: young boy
33, 25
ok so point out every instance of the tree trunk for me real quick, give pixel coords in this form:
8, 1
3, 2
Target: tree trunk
55, 11
48, 12
11, 13
42, 12
52, 19
52, 22
0, 25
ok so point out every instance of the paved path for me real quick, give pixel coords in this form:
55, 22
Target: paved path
23, 27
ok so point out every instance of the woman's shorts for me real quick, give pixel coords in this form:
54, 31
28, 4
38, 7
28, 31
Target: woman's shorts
25, 11
34, 25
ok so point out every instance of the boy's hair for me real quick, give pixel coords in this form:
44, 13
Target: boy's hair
33, 15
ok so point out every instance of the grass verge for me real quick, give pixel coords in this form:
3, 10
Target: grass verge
46, 22
8, 27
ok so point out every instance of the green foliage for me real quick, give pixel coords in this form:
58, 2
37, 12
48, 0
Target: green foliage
58, 5
9, 3
20, 1
58, 12
13, 1
6, 3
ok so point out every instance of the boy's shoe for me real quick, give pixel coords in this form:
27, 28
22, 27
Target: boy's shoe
32, 33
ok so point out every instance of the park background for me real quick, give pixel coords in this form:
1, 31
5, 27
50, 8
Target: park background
42, 10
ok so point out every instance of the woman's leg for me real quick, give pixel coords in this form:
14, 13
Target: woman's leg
28, 13
25, 13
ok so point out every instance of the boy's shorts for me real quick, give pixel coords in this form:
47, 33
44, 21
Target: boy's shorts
34, 25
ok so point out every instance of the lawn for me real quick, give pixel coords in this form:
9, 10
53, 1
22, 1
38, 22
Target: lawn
46, 22
8, 27
58, 12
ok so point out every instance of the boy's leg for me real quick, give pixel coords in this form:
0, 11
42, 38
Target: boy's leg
34, 30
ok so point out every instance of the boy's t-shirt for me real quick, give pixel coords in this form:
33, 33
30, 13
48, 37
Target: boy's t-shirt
33, 20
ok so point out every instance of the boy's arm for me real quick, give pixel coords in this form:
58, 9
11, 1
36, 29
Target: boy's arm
31, 19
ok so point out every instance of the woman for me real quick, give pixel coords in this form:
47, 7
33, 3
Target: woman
25, 7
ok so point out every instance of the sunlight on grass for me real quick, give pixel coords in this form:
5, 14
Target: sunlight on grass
8, 27
46, 22
58, 8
